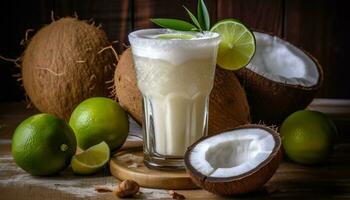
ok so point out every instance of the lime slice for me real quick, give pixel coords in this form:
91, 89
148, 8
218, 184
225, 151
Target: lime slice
91, 160
237, 45
175, 36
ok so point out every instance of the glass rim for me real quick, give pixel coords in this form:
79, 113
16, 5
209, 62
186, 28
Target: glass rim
137, 37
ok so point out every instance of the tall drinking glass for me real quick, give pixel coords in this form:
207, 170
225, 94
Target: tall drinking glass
175, 74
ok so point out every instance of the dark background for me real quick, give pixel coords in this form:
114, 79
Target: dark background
318, 26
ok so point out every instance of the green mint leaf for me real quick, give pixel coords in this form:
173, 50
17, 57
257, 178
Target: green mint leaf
203, 15
194, 19
174, 24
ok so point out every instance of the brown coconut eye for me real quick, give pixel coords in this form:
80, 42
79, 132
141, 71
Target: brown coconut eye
236, 161
279, 74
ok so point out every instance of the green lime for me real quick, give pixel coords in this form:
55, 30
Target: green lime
91, 160
237, 45
43, 145
99, 119
175, 36
308, 136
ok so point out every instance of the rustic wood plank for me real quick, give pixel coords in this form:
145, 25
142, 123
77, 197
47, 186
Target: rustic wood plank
265, 15
319, 29
146, 9
329, 180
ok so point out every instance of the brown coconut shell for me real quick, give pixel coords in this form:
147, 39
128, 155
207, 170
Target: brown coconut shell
271, 102
63, 65
127, 93
228, 105
243, 183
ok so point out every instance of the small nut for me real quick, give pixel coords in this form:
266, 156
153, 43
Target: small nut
175, 195
126, 188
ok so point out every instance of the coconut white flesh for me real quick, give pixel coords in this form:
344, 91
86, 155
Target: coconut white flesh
280, 61
232, 153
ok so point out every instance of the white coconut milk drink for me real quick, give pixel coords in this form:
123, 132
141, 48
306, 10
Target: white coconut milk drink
175, 74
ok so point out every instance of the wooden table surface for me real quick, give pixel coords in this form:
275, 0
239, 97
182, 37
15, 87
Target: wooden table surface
329, 180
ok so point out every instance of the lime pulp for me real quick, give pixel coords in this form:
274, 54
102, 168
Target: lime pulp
237, 46
175, 36
91, 160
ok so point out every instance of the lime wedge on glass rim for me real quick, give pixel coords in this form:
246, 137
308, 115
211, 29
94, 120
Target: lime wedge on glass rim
237, 46
91, 160
175, 36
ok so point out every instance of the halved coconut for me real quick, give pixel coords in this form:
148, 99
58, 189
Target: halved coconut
235, 162
279, 80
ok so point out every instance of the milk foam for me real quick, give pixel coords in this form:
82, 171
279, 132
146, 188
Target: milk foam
145, 43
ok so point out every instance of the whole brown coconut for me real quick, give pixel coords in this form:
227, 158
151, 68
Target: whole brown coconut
228, 105
63, 65
127, 93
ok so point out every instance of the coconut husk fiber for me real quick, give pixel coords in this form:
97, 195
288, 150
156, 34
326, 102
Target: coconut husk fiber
63, 65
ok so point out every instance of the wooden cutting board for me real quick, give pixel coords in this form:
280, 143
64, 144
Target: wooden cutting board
128, 164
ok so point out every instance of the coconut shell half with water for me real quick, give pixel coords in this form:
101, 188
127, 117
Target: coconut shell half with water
279, 80
228, 105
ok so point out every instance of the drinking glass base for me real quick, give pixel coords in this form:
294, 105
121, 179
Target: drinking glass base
167, 164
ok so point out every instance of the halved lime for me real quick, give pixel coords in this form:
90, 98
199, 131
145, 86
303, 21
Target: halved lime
91, 160
175, 36
237, 45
